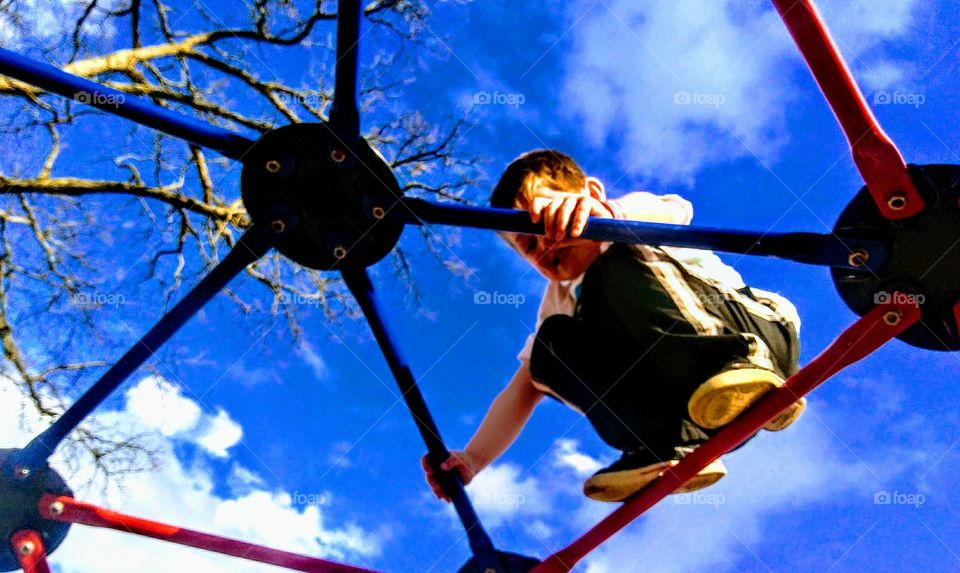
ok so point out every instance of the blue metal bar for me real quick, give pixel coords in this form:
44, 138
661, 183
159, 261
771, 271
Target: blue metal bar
140, 110
344, 116
483, 550
809, 248
252, 245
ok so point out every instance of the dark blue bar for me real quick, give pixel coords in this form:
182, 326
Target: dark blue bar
483, 550
82, 90
344, 116
808, 248
252, 245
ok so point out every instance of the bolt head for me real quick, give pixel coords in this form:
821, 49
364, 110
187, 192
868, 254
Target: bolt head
858, 258
892, 318
21, 472
340, 251
56, 508
272, 166
278, 226
338, 155
897, 201
26, 548
378, 212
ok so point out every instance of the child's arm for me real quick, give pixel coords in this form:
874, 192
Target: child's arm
500, 427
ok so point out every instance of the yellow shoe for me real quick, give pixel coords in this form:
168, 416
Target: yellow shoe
722, 398
636, 469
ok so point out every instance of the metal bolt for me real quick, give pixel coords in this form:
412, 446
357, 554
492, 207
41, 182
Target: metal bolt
339, 251
26, 548
273, 166
56, 508
892, 317
378, 212
21, 472
278, 226
338, 155
897, 201
858, 258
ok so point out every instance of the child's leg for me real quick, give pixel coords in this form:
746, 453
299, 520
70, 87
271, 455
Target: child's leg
572, 361
671, 322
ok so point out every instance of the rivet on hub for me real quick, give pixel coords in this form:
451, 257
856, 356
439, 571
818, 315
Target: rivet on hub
858, 258
378, 212
56, 508
26, 548
21, 472
278, 226
272, 166
897, 201
339, 251
892, 318
338, 155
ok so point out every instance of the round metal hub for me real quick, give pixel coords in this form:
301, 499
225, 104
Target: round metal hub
923, 261
341, 192
19, 510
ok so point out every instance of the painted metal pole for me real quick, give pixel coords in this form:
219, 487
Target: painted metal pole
250, 247
483, 549
137, 109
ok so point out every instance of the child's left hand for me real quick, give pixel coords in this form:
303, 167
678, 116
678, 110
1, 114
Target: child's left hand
561, 211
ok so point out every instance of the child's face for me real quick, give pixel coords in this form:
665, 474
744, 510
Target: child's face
562, 259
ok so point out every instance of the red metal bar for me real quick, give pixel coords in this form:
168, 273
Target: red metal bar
956, 315
878, 159
28, 546
863, 337
63, 508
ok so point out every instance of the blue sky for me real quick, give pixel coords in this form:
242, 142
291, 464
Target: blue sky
307, 447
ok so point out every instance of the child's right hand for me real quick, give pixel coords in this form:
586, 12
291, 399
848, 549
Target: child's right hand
563, 212
466, 464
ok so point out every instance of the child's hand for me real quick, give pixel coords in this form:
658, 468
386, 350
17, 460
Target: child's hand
466, 464
561, 211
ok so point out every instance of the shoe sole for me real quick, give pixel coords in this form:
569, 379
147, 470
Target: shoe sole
618, 486
719, 400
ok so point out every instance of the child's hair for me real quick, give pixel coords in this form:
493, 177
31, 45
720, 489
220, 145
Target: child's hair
544, 166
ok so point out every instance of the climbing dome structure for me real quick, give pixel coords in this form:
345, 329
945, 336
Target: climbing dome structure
321, 196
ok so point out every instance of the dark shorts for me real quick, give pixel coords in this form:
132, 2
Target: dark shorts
645, 334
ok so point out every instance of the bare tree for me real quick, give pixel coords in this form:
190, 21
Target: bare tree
63, 214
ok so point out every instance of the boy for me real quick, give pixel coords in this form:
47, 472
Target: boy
658, 347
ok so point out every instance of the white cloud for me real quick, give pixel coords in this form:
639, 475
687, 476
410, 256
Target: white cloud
219, 434
567, 455
313, 360
184, 495
500, 493
162, 406
683, 84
